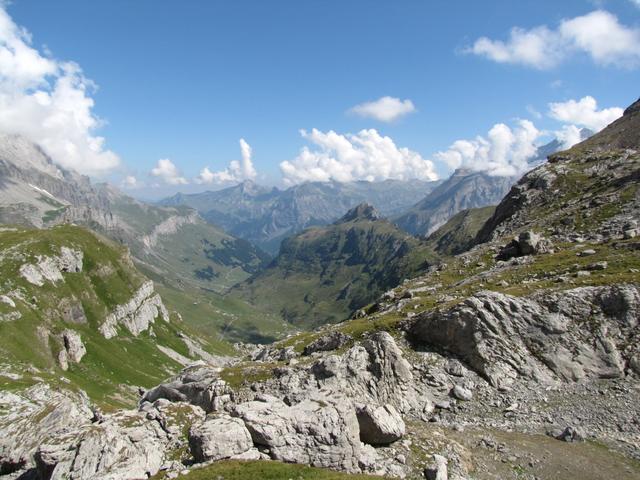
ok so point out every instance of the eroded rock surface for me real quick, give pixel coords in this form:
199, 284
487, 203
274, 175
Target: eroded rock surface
570, 335
138, 314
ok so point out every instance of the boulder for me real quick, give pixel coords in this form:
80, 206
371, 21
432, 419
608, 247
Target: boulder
380, 425
571, 434
437, 470
462, 393
321, 432
579, 333
527, 243
219, 437
328, 342
198, 385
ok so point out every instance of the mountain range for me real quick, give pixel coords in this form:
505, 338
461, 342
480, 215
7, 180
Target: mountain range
172, 242
325, 273
504, 344
266, 216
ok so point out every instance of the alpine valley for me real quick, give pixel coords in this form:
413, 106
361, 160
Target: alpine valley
481, 327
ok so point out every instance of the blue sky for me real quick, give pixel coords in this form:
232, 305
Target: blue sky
186, 80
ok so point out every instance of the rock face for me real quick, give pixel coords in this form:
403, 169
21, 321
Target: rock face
73, 349
126, 444
196, 385
138, 314
321, 432
37, 415
51, 268
570, 335
375, 372
464, 189
218, 438
326, 343
380, 425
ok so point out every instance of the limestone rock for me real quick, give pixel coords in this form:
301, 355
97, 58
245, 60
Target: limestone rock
321, 432
197, 385
218, 438
328, 342
73, 345
527, 243
50, 268
462, 393
380, 425
569, 335
438, 469
138, 314
37, 415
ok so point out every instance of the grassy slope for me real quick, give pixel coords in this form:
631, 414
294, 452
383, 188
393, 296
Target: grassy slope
266, 470
458, 234
199, 254
325, 273
28, 346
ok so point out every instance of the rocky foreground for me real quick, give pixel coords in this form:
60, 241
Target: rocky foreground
491, 365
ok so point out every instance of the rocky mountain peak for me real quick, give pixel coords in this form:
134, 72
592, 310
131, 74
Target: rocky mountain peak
364, 211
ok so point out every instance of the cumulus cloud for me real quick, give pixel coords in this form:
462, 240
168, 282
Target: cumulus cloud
236, 172
568, 136
598, 34
366, 155
585, 113
166, 171
385, 109
130, 182
49, 102
504, 151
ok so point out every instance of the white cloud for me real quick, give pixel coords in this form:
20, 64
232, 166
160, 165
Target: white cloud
504, 152
385, 109
49, 102
599, 34
130, 182
568, 136
538, 47
584, 112
366, 155
168, 173
236, 172
636, 3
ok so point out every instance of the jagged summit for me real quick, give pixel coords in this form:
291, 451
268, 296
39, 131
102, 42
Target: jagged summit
364, 211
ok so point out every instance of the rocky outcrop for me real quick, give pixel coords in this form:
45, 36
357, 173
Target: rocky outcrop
379, 425
169, 226
374, 371
138, 314
197, 385
327, 342
126, 444
73, 349
587, 332
37, 415
51, 268
321, 432
527, 243
218, 438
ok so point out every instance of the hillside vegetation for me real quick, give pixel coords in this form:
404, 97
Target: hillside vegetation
34, 317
